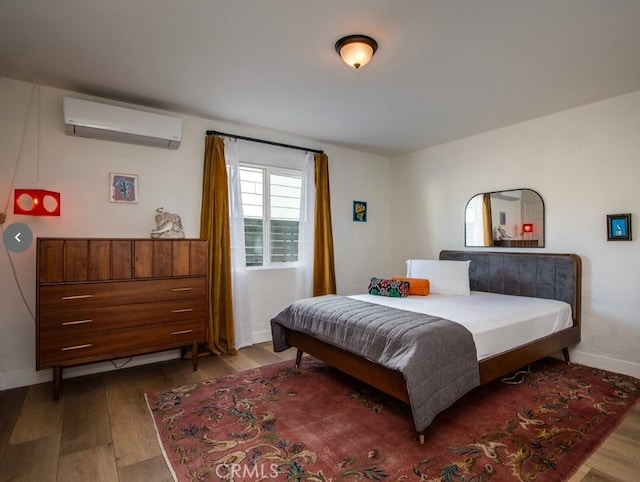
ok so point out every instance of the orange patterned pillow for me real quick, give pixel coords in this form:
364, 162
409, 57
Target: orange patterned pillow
417, 286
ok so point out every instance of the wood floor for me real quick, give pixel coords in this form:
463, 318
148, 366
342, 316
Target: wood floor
100, 429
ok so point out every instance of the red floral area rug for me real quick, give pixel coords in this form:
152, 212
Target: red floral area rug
315, 424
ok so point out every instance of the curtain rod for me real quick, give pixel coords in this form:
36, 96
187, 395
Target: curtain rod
262, 141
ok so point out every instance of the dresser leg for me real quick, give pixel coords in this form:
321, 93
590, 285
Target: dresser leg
57, 379
194, 360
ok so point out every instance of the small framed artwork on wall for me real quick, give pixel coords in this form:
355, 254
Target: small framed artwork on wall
360, 211
123, 188
619, 227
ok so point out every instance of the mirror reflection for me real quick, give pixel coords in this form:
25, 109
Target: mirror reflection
512, 218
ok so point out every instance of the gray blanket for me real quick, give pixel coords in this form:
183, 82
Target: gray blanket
436, 356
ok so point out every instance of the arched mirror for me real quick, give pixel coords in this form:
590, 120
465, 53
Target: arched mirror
513, 219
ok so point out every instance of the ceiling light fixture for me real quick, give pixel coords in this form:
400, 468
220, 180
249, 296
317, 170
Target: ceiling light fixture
34, 202
356, 50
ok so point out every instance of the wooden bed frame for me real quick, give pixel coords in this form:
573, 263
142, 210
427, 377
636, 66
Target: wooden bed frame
554, 276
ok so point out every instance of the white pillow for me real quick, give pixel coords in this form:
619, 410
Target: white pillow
445, 277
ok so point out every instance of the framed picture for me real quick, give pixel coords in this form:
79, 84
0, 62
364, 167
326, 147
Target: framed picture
360, 211
123, 188
503, 218
619, 227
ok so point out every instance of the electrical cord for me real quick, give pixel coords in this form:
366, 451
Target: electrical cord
121, 365
15, 277
6, 208
517, 378
24, 130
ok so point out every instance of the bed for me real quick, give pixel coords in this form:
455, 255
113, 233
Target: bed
545, 276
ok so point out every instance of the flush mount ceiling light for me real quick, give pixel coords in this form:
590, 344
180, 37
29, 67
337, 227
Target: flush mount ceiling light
356, 50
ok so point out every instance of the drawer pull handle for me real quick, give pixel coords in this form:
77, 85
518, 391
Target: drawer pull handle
77, 297
181, 289
182, 310
78, 322
181, 332
76, 347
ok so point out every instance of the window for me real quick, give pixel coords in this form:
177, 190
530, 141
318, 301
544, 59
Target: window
271, 207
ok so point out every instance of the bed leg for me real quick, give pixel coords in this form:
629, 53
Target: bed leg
421, 437
565, 353
298, 358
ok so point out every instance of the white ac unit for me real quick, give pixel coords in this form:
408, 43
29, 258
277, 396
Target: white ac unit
102, 121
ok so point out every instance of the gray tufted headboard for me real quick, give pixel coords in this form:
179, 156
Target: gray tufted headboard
552, 276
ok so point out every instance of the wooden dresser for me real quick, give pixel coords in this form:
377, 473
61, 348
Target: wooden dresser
516, 243
103, 299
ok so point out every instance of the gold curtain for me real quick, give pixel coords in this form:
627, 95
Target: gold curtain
214, 226
324, 271
487, 220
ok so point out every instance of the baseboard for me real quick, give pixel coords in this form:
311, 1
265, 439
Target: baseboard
261, 336
31, 377
605, 363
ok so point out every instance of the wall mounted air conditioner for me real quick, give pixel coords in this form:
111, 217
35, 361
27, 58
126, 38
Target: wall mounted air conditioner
102, 121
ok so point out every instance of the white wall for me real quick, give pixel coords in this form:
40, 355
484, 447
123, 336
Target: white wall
585, 163
79, 169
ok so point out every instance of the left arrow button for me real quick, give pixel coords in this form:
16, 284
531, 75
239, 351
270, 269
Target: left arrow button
17, 237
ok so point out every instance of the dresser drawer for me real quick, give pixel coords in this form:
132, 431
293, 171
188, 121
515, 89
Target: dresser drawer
86, 320
93, 295
81, 348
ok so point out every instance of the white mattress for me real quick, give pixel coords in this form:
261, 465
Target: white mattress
498, 323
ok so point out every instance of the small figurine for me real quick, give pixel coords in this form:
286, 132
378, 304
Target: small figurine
501, 233
168, 225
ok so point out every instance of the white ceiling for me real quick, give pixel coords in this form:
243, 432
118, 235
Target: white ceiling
445, 69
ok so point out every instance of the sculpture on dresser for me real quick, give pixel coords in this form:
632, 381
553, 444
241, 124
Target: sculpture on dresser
501, 234
168, 225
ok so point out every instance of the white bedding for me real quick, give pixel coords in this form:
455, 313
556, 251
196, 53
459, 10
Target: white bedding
497, 322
